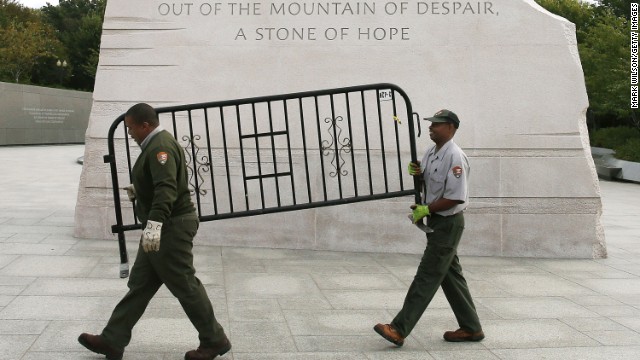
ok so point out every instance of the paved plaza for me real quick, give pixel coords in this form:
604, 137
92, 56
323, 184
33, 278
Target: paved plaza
300, 304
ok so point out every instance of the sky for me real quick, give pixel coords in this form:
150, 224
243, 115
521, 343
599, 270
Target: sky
36, 4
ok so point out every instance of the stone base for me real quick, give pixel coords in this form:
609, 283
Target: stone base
382, 226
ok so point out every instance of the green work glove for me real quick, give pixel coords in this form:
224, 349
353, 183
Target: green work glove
414, 169
419, 211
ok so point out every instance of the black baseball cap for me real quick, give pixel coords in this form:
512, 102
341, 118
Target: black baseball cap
445, 116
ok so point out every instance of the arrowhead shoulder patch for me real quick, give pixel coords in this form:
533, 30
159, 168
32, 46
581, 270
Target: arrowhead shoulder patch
457, 171
162, 157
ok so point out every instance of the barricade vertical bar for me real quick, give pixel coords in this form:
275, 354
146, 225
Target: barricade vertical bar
244, 171
286, 127
175, 128
111, 159
213, 182
324, 183
194, 161
226, 158
395, 126
273, 153
353, 147
366, 141
384, 154
128, 151
336, 146
255, 133
417, 181
304, 150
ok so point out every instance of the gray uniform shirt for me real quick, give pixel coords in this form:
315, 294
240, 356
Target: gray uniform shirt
445, 175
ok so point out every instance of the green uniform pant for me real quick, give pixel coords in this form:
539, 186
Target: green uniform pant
439, 267
172, 266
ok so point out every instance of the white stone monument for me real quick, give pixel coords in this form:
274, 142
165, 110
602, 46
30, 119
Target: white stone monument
508, 68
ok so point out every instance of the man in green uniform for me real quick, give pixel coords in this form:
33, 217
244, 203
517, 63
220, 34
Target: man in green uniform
165, 255
445, 170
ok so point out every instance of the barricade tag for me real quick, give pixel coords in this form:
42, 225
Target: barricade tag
385, 95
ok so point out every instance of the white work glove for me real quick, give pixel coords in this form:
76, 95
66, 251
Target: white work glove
151, 236
131, 192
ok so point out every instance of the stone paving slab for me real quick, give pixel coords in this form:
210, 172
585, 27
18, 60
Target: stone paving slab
301, 304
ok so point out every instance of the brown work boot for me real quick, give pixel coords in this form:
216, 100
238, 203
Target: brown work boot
97, 344
388, 332
463, 335
208, 353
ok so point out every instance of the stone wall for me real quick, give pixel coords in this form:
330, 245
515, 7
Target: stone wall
508, 68
39, 115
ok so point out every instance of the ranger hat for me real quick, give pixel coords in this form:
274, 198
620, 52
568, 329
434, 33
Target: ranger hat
445, 116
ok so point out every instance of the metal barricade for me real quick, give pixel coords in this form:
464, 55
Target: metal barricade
281, 153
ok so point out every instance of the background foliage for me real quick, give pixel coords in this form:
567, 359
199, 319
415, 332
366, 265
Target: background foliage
604, 42
613, 137
624, 140
603, 35
33, 41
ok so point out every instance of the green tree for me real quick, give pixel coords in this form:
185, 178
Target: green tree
78, 25
28, 46
583, 15
606, 63
604, 45
11, 11
621, 8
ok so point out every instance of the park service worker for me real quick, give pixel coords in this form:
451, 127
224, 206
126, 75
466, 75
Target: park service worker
165, 256
444, 170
